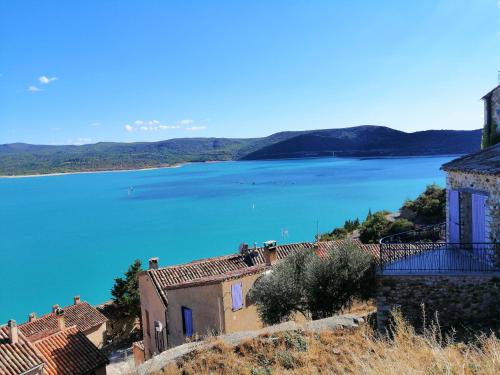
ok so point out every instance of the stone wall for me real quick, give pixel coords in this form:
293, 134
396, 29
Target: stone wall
461, 302
485, 183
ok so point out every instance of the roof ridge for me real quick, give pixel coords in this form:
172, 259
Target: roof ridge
223, 257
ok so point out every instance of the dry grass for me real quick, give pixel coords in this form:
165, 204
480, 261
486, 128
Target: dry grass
345, 351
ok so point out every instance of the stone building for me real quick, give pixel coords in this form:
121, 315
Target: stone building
206, 296
457, 277
491, 130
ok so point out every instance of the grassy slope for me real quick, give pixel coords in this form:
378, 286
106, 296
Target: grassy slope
345, 351
25, 159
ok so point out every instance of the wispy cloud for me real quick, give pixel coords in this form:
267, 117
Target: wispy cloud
196, 128
156, 125
45, 80
94, 124
79, 141
33, 89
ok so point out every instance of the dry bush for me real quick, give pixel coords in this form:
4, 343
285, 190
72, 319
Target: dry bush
357, 351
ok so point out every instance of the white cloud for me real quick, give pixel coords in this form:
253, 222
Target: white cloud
95, 124
44, 80
185, 122
33, 89
149, 125
80, 141
196, 128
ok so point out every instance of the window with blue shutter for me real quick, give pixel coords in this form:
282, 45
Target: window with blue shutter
187, 321
237, 296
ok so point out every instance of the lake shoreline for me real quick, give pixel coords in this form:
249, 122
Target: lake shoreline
91, 172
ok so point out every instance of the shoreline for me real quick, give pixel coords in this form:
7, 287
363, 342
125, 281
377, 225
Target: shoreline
89, 172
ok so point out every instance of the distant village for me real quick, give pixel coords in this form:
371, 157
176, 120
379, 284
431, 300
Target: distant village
452, 268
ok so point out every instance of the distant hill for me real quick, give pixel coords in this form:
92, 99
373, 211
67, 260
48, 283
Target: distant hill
360, 141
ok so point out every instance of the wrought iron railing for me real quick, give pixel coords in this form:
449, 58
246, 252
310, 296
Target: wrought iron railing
430, 233
430, 257
425, 251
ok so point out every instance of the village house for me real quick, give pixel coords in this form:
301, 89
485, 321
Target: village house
491, 129
62, 350
81, 314
179, 303
456, 277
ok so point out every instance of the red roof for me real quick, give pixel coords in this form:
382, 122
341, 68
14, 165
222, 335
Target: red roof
213, 269
373, 249
17, 358
82, 315
69, 352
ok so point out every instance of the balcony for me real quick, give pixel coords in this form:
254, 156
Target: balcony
425, 252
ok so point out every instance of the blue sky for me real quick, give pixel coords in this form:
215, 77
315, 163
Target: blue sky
89, 71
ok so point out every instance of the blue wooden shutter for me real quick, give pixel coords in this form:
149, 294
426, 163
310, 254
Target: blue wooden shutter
453, 216
187, 321
237, 296
478, 218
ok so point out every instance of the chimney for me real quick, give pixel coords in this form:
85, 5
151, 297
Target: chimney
13, 332
55, 308
153, 263
31, 317
270, 255
76, 300
61, 324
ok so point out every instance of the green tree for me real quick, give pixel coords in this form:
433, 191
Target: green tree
125, 292
399, 226
375, 227
332, 283
429, 206
315, 286
280, 293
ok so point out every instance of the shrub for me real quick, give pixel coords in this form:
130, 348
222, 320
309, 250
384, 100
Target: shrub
375, 227
429, 207
333, 283
316, 287
280, 293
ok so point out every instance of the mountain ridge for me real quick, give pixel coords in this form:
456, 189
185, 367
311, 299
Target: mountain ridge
17, 159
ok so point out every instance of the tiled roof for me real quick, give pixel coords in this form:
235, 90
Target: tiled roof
230, 266
372, 249
17, 358
486, 161
82, 315
69, 352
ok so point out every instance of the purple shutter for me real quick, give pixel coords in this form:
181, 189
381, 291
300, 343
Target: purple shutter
453, 216
237, 296
187, 321
478, 218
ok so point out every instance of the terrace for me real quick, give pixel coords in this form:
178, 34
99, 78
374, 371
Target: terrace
425, 252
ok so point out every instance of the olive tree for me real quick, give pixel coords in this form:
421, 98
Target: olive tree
315, 286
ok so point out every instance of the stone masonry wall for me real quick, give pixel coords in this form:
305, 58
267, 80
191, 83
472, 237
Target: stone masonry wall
462, 302
486, 183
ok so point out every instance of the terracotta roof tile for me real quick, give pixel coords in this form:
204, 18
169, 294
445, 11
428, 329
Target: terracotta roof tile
69, 352
82, 315
372, 249
17, 358
229, 266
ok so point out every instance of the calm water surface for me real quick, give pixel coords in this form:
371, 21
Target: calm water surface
73, 234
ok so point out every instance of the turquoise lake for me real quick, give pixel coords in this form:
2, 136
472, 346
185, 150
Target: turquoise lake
73, 234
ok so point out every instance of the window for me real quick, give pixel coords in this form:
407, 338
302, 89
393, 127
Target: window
187, 321
147, 322
237, 296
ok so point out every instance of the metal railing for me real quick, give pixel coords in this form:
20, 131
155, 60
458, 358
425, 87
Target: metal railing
430, 233
424, 250
439, 257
